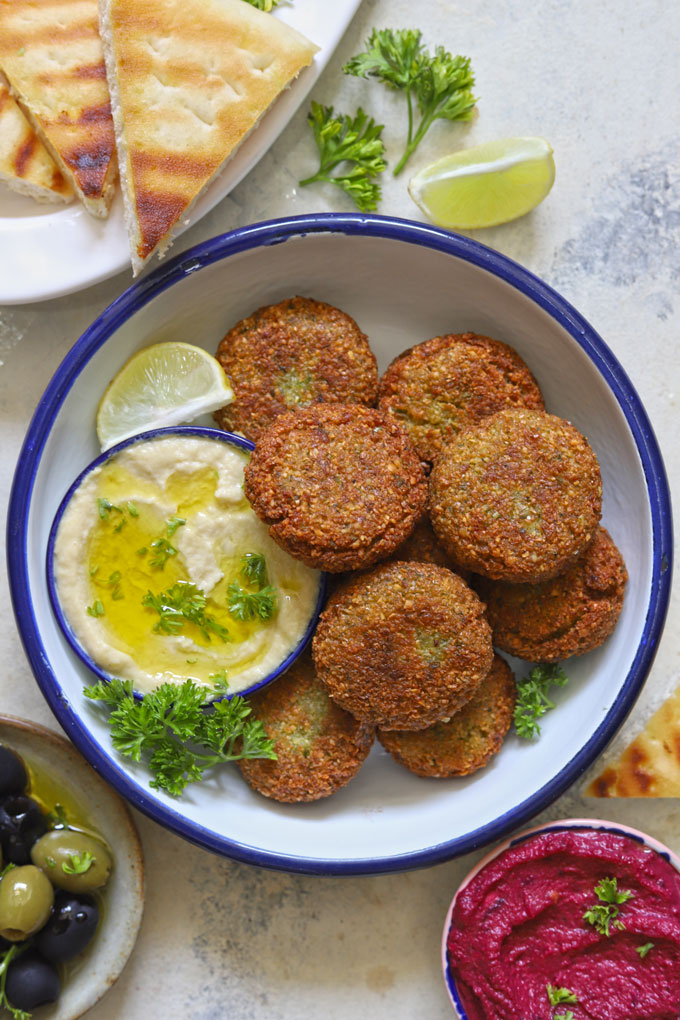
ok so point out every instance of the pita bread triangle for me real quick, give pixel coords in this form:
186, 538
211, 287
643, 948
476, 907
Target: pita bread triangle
25, 164
650, 765
52, 56
189, 80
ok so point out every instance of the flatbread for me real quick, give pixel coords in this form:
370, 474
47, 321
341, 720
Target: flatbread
25, 164
51, 53
189, 80
650, 765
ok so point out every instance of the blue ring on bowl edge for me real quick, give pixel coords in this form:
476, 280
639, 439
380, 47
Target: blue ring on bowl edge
275, 232
556, 826
216, 435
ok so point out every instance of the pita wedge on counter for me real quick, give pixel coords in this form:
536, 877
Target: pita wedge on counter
25, 164
650, 765
51, 53
189, 79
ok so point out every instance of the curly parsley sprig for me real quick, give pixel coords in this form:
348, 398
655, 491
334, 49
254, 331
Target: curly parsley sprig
439, 86
605, 915
354, 141
183, 602
532, 697
176, 734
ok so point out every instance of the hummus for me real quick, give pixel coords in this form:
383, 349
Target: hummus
518, 928
159, 517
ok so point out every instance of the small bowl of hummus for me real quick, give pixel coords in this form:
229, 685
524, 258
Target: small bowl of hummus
575, 919
159, 571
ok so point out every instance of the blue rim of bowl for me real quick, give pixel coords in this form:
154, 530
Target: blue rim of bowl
597, 825
215, 435
277, 232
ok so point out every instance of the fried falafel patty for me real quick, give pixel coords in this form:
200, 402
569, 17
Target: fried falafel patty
442, 385
468, 740
319, 746
568, 615
339, 485
403, 645
289, 355
516, 497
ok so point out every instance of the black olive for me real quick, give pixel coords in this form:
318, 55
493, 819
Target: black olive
13, 775
70, 928
21, 824
31, 981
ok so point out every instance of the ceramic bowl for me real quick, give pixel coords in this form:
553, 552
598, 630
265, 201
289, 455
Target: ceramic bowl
49, 755
403, 282
597, 824
206, 433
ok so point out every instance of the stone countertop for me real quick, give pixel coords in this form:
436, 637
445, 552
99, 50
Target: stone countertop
598, 80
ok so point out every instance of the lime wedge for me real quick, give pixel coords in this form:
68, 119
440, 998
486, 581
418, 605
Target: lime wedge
165, 384
486, 185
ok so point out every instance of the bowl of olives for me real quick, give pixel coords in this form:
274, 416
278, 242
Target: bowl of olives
71, 877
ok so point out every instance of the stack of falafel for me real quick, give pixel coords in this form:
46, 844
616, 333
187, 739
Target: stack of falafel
456, 516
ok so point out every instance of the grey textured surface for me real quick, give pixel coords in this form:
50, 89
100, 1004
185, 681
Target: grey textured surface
600, 82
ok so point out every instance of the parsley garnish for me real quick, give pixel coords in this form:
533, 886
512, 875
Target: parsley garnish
132, 509
96, 609
106, 508
78, 865
57, 819
177, 737
248, 605
355, 141
643, 950
173, 524
264, 5
254, 569
220, 681
440, 86
163, 550
532, 697
183, 602
605, 915
16, 949
557, 995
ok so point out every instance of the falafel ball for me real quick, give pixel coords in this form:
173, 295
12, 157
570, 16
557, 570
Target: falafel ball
442, 385
468, 740
403, 645
516, 497
319, 746
568, 615
339, 485
289, 355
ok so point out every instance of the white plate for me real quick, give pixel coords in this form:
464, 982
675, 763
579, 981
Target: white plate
403, 282
47, 250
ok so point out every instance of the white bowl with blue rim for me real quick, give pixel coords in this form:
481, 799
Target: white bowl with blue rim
595, 825
403, 282
191, 431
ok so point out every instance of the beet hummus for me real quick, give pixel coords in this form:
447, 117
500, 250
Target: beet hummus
519, 947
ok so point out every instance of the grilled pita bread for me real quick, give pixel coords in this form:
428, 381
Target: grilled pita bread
189, 79
25, 164
650, 765
51, 54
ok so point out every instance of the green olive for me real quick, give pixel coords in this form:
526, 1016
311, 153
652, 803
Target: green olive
26, 899
72, 860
